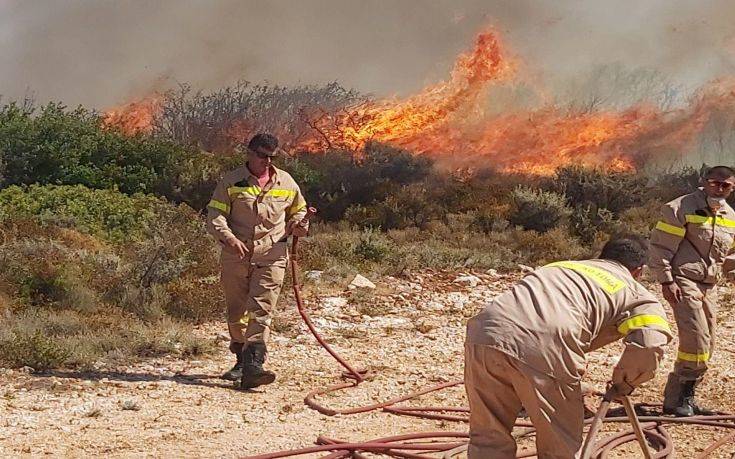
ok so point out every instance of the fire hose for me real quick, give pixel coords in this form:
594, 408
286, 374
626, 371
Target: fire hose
648, 431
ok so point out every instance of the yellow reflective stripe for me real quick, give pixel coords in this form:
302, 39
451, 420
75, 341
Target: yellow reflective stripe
722, 221
702, 219
219, 205
604, 279
251, 190
642, 321
701, 357
296, 207
281, 193
671, 229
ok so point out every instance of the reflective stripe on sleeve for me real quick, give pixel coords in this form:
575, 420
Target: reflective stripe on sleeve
642, 321
671, 229
604, 279
296, 207
687, 357
219, 205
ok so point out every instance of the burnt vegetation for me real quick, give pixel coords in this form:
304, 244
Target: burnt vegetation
102, 240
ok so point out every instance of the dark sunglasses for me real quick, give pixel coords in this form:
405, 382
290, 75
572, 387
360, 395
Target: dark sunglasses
720, 184
262, 155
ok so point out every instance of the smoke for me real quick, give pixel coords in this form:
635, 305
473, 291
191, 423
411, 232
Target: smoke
104, 53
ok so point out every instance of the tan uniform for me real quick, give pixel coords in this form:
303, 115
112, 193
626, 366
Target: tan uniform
258, 217
527, 349
689, 246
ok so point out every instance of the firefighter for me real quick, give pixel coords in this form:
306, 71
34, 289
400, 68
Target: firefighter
253, 210
689, 253
527, 348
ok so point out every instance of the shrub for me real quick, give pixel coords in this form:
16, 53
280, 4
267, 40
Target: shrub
537, 209
614, 191
56, 145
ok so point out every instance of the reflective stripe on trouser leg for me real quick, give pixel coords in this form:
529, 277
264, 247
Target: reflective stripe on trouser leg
265, 286
494, 404
235, 276
696, 317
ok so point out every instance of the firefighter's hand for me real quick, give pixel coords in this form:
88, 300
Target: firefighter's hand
618, 390
297, 229
672, 292
238, 246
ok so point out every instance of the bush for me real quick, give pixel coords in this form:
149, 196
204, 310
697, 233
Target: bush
537, 209
598, 189
55, 145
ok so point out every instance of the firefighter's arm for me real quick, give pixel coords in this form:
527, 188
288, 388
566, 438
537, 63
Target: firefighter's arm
218, 210
665, 239
644, 350
296, 224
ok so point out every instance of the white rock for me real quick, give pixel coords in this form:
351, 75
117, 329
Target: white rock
469, 279
313, 276
360, 281
492, 272
525, 269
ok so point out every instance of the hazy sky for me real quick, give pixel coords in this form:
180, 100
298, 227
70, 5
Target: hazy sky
100, 53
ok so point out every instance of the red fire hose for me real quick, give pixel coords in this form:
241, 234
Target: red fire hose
647, 430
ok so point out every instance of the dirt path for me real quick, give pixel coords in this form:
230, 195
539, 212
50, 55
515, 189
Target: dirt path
413, 338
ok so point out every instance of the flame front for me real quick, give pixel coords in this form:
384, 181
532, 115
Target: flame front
446, 121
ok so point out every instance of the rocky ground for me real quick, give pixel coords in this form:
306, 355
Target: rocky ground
408, 331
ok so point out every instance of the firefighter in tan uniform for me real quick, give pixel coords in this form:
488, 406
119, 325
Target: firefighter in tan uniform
689, 246
253, 210
527, 348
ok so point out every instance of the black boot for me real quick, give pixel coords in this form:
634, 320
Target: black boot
253, 374
691, 399
235, 372
679, 398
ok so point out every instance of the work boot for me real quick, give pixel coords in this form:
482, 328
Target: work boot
253, 374
680, 400
235, 373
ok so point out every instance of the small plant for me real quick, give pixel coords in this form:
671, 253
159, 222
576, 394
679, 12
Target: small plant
537, 209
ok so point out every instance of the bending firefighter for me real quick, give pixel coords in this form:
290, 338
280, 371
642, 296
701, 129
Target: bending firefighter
527, 348
253, 210
689, 246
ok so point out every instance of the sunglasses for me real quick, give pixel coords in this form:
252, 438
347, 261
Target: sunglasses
261, 154
720, 184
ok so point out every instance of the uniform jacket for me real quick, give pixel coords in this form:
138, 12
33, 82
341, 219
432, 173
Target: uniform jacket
560, 312
257, 216
692, 241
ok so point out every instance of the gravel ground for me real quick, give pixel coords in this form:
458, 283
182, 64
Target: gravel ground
409, 332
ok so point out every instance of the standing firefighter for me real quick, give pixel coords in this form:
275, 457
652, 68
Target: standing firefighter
688, 247
253, 210
527, 348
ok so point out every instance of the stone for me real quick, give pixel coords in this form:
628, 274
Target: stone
468, 279
360, 281
313, 276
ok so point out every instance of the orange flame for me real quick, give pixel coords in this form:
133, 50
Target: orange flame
135, 117
446, 121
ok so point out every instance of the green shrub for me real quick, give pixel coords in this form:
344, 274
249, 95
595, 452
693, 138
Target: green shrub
56, 145
599, 189
537, 209
35, 350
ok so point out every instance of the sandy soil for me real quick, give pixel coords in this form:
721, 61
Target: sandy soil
411, 338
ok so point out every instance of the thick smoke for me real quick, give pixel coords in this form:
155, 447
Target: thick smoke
102, 53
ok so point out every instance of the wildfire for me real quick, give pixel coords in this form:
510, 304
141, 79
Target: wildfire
446, 121
135, 117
